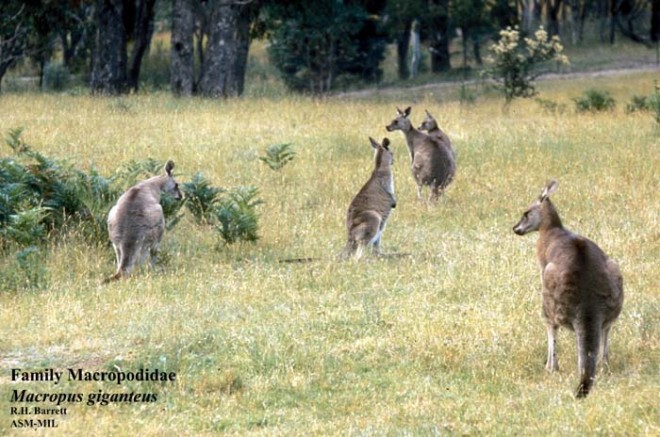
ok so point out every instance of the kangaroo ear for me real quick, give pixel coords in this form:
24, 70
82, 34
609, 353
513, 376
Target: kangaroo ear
168, 167
428, 115
386, 143
406, 112
374, 143
550, 188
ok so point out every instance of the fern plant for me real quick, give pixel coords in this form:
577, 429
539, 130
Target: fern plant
201, 198
278, 155
236, 215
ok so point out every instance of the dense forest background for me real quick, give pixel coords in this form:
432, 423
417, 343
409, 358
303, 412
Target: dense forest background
316, 46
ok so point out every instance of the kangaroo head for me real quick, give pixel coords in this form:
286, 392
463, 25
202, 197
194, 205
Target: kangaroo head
171, 186
532, 218
382, 154
429, 123
401, 122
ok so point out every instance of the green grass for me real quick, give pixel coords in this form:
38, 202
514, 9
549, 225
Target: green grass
446, 341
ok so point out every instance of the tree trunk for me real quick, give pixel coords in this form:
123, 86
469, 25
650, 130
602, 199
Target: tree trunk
527, 16
402, 44
415, 48
143, 30
655, 21
440, 37
182, 51
109, 60
225, 51
242, 34
575, 21
464, 44
476, 48
553, 8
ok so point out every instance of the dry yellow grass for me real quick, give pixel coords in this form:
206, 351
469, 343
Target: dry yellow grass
446, 341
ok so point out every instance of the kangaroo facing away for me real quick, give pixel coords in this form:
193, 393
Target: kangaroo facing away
430, 126
431, 160
136, 223
369, 210
582, 289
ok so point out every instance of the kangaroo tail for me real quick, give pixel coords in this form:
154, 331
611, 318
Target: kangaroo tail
588, 338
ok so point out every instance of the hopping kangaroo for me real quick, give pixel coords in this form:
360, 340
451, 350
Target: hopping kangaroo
432, 161
430, 125
582, 289
369, 210
136, 223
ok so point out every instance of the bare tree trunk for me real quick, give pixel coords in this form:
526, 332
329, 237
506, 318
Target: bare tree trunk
226, 51
109, 60
527, 16
182, 51
143, 30
402, 44
464, 45
655, 21
476, 48
552, 10
575, 21
415, 48
242, 48
440, 37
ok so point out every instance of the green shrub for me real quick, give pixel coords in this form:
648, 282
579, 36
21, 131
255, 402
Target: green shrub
201, 198
594, 100
278, 155
636, 104
653, 102
236, 217
514, 61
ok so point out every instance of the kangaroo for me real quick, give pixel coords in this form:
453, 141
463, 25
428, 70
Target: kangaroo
136, 223
582, 289
432, 162
369, 210
430, 125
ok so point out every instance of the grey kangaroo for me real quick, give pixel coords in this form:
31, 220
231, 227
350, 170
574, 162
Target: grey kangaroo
369, 210
582, 289
136, 223
432, 162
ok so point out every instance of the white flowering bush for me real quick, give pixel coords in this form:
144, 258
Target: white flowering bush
513, 60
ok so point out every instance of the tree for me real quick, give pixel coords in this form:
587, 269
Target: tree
655, 21
515, 58
227, 45
470, 16
14, 29
439, 28
402, 14
318, 44
117, 23
109, 58
221, 32
182, 55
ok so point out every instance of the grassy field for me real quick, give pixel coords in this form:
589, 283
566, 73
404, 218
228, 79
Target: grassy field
447, 341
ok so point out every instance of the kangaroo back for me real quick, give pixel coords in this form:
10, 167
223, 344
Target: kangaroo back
432, 161
136, 223
582, 288
369, 210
